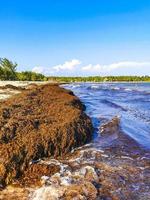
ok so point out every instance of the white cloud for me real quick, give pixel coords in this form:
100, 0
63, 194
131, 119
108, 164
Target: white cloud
92, 67
38, 69
127, 64
68, 65
74, 67
112, 67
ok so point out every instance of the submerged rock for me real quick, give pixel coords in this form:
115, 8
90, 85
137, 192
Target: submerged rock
110, 127
42, 122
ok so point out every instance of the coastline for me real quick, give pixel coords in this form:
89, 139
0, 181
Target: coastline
105, 82
109, 171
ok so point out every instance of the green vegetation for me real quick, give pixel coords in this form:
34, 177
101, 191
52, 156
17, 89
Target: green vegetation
30, 76
101, 79
8, 72
7, 69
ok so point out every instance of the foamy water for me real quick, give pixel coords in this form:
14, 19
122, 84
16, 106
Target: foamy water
112, 161
131, 101
117, 111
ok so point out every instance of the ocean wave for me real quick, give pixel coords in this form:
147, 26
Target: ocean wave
94, 87
76, 86
108, 88
116, 88
123, 89
112, 104
110, 99
144, 92
128, 89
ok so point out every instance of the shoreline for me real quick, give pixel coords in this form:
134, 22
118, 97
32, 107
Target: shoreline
109, 171
25, 83
107, 82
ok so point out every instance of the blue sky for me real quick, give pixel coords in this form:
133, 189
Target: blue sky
77, 37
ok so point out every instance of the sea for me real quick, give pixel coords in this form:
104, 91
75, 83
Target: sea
128, 101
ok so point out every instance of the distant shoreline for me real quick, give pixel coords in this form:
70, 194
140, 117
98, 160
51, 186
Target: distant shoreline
24, 83
109, 82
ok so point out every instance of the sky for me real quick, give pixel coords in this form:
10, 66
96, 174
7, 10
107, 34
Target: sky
77, 37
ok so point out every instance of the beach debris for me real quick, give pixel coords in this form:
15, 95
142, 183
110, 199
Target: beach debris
110, 127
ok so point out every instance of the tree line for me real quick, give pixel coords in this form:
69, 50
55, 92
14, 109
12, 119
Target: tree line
8, 71
101, 79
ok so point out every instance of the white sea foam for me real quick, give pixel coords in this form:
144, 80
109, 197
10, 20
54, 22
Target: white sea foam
75, 86
116, 88
128, 89
95, 86
47, 193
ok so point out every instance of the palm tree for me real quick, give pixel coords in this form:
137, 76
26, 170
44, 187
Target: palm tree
7, 69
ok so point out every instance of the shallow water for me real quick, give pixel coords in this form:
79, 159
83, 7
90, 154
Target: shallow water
116, 164
129, 101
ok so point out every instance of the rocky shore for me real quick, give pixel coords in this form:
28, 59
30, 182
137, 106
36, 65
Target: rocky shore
45, 121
